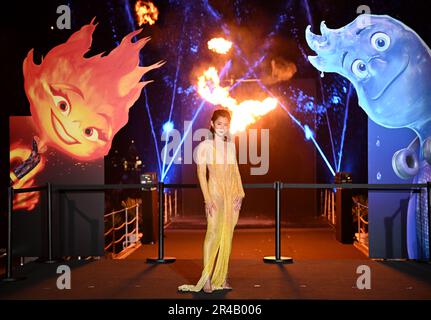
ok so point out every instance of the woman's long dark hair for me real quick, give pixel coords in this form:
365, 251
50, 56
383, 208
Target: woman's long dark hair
216, 114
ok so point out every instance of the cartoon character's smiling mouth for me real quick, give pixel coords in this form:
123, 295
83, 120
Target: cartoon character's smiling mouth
61, 131
402, 69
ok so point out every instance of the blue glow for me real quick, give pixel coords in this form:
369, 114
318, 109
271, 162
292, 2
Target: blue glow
211, 10
183, 138
308, 132
308, 12
153, 133
304, 128
168, 126
114, 32
189, 90
295, 120
336, 100
343, 134
167, 80
330, 136
323, 155
309, 106
310, 21
306, 104
225, 69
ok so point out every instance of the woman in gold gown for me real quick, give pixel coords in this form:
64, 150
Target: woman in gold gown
223, 194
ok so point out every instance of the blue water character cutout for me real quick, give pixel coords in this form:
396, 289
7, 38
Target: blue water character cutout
390, 68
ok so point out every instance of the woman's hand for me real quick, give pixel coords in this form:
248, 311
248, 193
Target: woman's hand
237, 203
209, 207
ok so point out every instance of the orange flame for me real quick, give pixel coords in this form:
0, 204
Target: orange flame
25, 201
209, 88
243, 113
147, 12
219, 45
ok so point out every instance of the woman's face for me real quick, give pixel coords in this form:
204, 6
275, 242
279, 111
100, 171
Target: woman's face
221, 126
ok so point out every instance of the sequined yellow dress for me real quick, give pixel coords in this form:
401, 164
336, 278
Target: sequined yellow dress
223, 186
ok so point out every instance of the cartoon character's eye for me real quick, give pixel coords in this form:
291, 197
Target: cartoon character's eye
91, 134
359, 68
380, 41
62, 104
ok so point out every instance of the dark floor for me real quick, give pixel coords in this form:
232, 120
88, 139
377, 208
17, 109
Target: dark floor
322, 269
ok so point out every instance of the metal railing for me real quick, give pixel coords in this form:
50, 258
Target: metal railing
127, 235
328, 212
170, 206
277, 186
361, 212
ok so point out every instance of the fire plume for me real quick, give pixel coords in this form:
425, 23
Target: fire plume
243, 113
219, 45
146, 12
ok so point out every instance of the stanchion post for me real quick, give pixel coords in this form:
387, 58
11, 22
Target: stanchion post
127, 229
49, 225
137, 223
277, 258
161, 216
49, 191
9, 253
161, 258
277, 220
175, 203
429, 218
113, 233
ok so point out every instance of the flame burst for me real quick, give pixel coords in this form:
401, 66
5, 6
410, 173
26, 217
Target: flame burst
243, 113
146, 12
219, 45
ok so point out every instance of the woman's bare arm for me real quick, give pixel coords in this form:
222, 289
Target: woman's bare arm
202, 172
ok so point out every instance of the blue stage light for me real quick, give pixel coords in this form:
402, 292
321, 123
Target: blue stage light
308, 132
168, 126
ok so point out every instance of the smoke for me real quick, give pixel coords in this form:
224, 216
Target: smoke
281, 70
